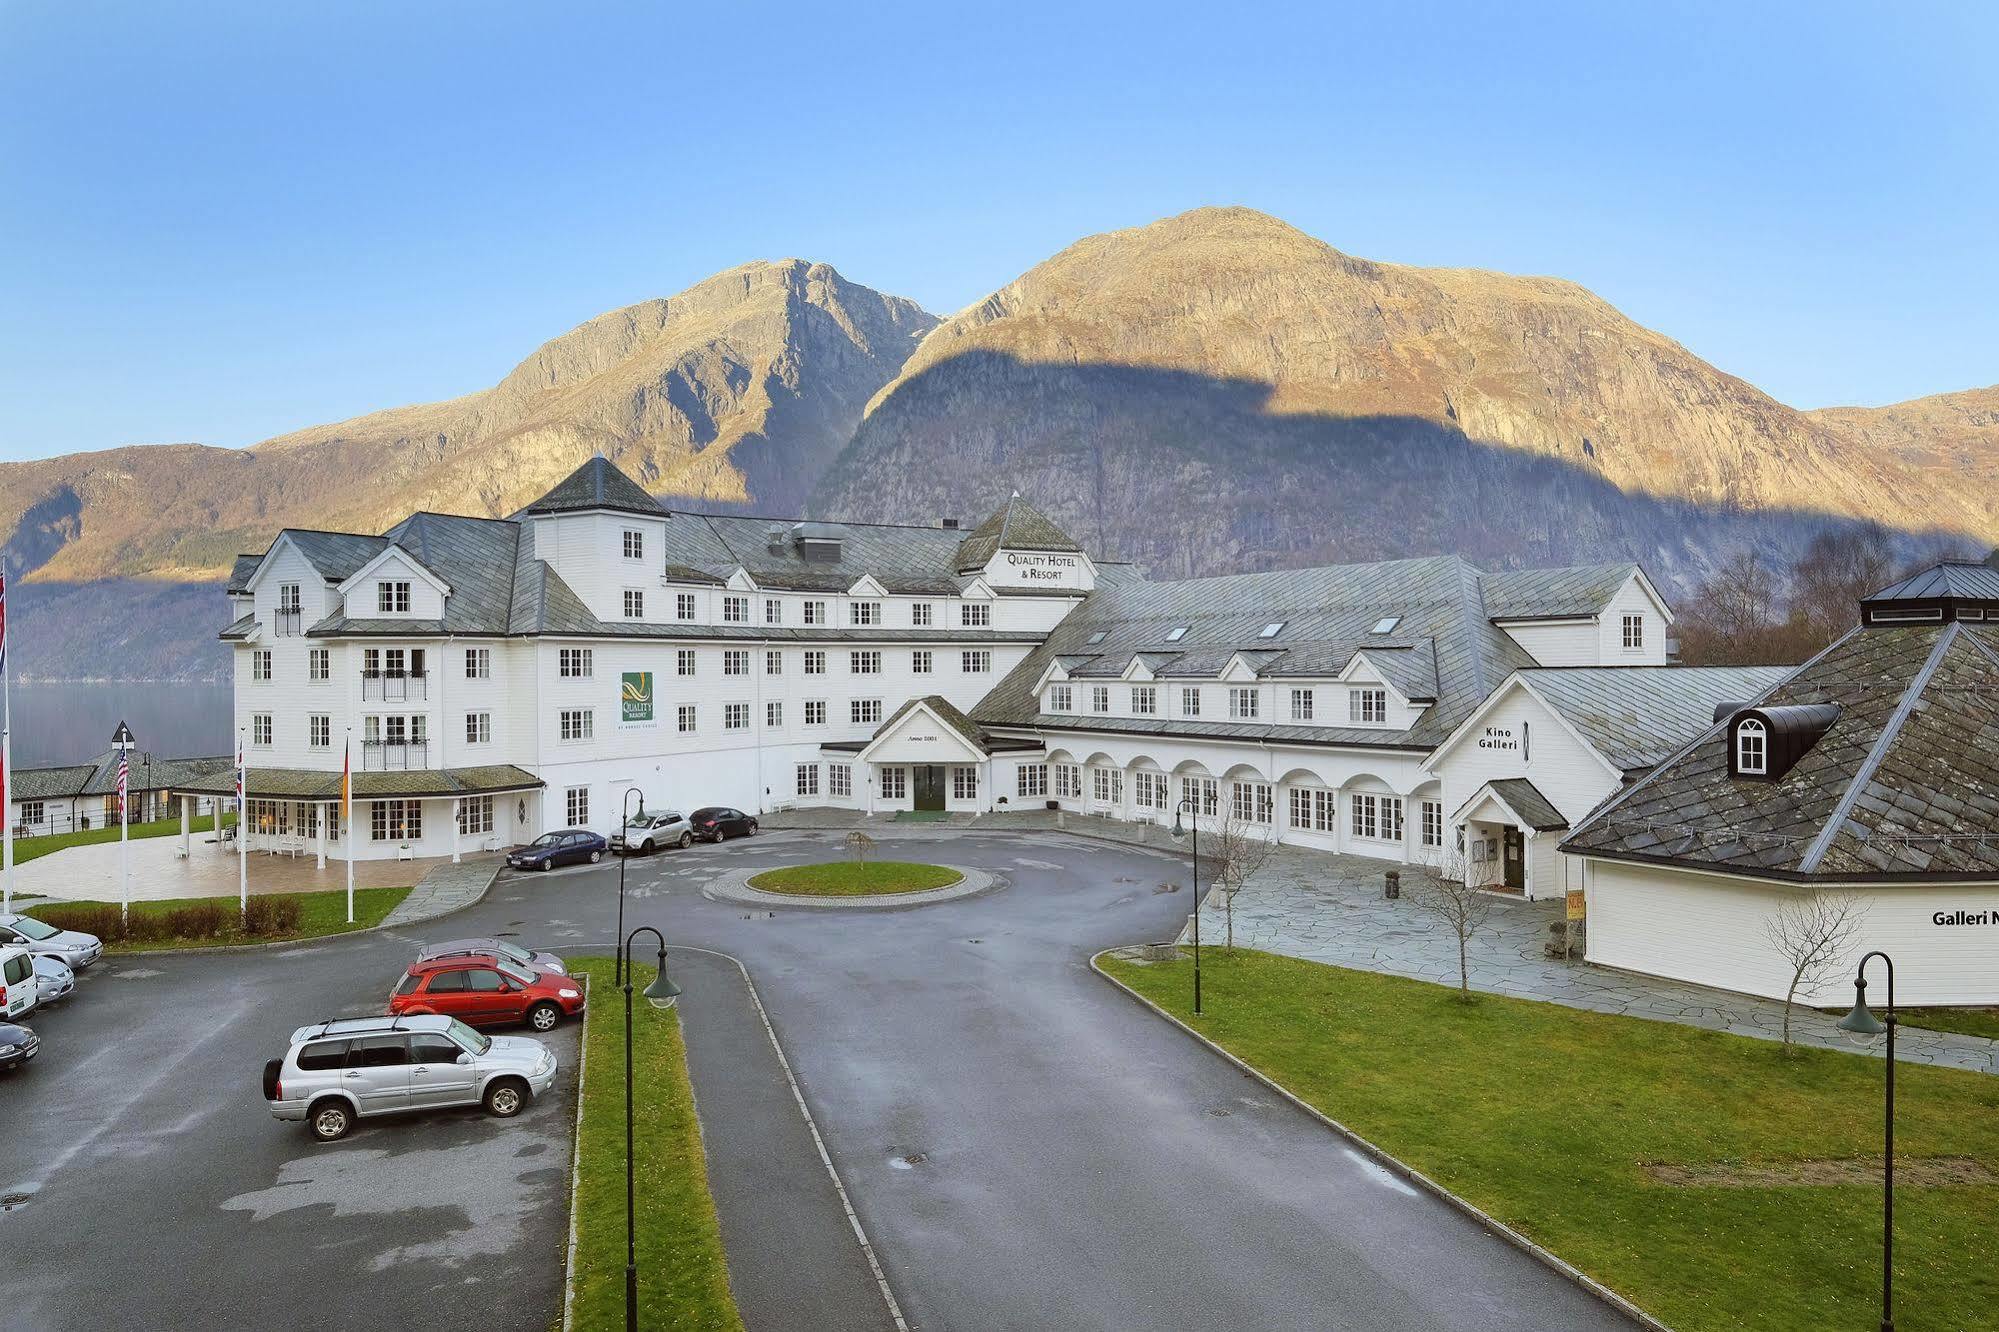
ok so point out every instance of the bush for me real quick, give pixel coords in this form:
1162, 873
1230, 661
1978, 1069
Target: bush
203, 921
101, 921
272, 915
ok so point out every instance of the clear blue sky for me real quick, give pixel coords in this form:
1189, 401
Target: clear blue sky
219, 222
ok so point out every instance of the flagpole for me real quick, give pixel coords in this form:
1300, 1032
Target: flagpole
242, 826
347, 815
6, 756
124, 834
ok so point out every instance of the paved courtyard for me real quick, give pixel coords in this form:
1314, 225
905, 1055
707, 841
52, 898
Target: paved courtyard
91, 873
1331, 908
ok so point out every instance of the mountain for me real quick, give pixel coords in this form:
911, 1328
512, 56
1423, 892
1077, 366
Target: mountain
735, 393
1219, 390
1950, 439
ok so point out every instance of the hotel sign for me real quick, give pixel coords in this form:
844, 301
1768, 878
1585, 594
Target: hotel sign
635, 699
1037, 568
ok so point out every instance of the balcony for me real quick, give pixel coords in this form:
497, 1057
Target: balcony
289, 622
394, 755
395, 686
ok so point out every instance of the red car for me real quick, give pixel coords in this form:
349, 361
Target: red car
486, 991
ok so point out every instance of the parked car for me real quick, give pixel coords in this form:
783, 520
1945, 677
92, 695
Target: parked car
716, 822
500, 948
53, 980
17, 1046
338, 1072
20, 992
485, 991
647, 833
571, 846
45, 940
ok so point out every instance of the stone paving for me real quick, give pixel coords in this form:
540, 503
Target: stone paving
445, 888
91, 872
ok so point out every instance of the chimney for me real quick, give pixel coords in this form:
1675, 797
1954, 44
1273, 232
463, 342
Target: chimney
948, 524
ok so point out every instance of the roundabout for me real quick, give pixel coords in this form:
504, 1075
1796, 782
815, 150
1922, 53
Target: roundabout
847, 886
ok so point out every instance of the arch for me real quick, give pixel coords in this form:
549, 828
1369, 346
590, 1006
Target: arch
1191, 767
1368, 781
1101, 760
1060, 756
1243, 772
1302, 777
1145, 763
1430, 789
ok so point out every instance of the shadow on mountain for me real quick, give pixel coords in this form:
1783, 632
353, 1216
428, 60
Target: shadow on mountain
1193, 475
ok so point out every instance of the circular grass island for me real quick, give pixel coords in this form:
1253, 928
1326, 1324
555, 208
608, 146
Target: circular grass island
873, 878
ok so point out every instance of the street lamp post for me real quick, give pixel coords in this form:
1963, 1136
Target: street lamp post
1193, 822
660, 994
1864, 1026
625, 854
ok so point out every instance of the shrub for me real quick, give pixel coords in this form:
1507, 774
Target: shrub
202, 921
272, 915
101, 921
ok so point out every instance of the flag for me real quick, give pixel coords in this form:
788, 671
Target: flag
124, 775
347, 783
6, 777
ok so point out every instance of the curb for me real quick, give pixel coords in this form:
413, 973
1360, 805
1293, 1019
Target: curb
1546, 1257
735, 887
575, 1169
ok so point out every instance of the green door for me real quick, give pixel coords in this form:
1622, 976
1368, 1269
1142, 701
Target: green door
929, 786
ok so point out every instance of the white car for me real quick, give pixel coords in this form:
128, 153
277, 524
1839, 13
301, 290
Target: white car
20, 992
53, 979
42, 939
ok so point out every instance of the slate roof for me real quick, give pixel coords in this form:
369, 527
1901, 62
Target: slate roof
1549, 594
54, 783
1904, 785
240, 571
1015, 525
316, 784
947, 712
1952, 578
597, 484
1638, 716
1525, 799
906, 560
99, 777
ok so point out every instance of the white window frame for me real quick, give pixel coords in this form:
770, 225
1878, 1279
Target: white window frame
815, 661
1752, 748
976, 661
815, 712
864, 661
575, 663
635, 543
576, 724
318, 665
1367, 705
805, 779
920, 662
1634, 633
392, 597
576, 806
774, 714
840, 781
921, 614
735, 716
261, 664
1304, 702
975, 615
260, 729
1061, 698
1244, 704
478, 728
685, 663
735, 661
319, 730
735, 610
684, 606
1031, 781
1145, 700
687, 719
478, 663
1100, 698
964, 782
864, 614
865, 712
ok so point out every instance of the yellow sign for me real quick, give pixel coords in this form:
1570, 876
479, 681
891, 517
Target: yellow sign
1575, 903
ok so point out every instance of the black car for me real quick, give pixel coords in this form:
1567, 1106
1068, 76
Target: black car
715, 822
571, 846
17, 1046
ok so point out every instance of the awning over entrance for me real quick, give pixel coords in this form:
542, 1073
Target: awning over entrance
1519, 802
315, 784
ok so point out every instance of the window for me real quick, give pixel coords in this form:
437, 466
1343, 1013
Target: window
576, 806
1190, 700
475, 814
1752, 747
773, 662
380, 1052
1386, 624
260, 728
1148, 789
867, 711
840, 780
919, 614
815, 661
735, 610
1377, 818
33, 813
815, 612
736, 661
1107, 784
975, 614
1202, 794
260, 664
683, 661
735, 716
815, 712
1144, 700
774, 714
1433, 823
1242, 703
864, 613
392, 598
1314, 809
808, 779
1098, 637
1301, 704
684, 719
635, 544
683, 606
895, 783
1271, 630
1100, 698
574, 663
1176, 633
288, 599
964, 783
319, 730
322, 1056
919, 662
434, 1049
478, 663
1367, 707
478, 728
1068, 781
1031, 782
578, 723
1061, 699
396, 821
773, 611
371, 662
1251, 802
635, 604
865, 663
1634, 632
976, 663
318, 665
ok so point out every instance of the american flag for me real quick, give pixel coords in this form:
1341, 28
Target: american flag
124, 773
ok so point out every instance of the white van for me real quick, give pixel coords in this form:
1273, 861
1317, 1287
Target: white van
19, 990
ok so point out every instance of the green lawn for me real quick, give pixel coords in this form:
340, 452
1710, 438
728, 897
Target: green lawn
683, 1276
1545, 1117
33, 848
846, 878
1964, 1021
211, 922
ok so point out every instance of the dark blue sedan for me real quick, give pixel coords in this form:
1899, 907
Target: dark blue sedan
571, 846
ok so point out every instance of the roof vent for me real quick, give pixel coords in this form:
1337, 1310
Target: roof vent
774, 539
948, 524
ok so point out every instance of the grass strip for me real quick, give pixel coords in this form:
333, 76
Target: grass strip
847, 878
1963, 1021
215, 922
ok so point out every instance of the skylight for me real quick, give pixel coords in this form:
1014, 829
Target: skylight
1099, 636
1273, 629
1386, 624
1176, 633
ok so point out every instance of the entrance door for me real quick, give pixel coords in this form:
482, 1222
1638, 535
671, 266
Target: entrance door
929, 786
1516, 859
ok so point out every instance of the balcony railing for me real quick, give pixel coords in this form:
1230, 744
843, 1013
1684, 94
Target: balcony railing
290, 622
394, 755
391, 686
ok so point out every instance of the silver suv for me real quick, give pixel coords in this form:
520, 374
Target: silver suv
337, 1072
647, 833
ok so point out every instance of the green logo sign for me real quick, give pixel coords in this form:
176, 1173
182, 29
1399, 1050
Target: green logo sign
635, 698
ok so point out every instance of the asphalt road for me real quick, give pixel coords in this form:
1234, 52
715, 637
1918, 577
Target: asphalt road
1026, 1147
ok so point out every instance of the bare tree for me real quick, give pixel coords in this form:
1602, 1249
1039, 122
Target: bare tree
859, 844
1456, 896
1236, 850
1814, 935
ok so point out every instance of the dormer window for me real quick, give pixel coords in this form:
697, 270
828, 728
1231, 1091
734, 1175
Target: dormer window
1386, 624
865, 613
392, 598
1752, 748
1273, 629
1634, 633
1176, 633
